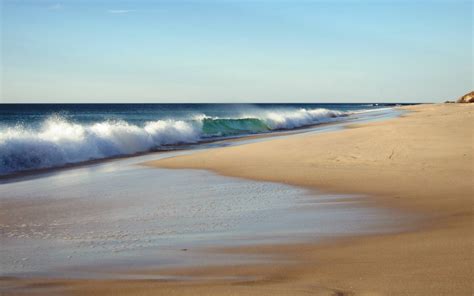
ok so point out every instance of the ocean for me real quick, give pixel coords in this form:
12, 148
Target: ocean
39, 136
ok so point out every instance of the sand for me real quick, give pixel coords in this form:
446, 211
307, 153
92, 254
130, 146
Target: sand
421, 163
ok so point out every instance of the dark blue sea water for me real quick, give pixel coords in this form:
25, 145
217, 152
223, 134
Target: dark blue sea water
35, 136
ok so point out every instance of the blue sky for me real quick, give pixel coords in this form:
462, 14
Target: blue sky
235, 51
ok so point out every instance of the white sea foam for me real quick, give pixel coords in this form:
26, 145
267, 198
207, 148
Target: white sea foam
58, 142
299, 118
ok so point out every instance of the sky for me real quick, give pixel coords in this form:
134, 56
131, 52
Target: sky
176, 51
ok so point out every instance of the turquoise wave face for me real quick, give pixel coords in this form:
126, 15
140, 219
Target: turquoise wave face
231, 127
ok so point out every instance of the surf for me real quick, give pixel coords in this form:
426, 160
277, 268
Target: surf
59, 141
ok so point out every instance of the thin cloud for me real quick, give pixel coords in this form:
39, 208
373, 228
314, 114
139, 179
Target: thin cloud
56, 6
120, 11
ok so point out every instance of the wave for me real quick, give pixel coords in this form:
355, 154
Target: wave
58, 142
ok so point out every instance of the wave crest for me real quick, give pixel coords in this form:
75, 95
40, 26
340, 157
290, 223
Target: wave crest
300, 118
58, 142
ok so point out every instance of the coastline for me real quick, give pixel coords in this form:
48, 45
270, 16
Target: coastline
345, 151
420, 162
435, 259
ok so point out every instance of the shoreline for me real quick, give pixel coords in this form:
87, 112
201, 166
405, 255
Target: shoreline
433, 259
431, 186
200, 145
196, 161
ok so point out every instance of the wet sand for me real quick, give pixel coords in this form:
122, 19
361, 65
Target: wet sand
119, 218
421, 163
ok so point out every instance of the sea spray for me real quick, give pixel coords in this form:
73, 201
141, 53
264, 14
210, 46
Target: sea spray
299, 118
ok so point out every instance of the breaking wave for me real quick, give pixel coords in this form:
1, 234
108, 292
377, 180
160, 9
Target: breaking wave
58, 142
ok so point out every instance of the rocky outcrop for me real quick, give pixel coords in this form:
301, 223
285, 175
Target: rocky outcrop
467, 98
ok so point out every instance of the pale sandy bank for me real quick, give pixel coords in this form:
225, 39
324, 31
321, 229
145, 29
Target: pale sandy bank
421, 162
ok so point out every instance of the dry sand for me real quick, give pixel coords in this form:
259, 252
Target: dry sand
422, 163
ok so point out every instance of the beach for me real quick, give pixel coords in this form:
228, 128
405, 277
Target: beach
219, 148
420, 163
